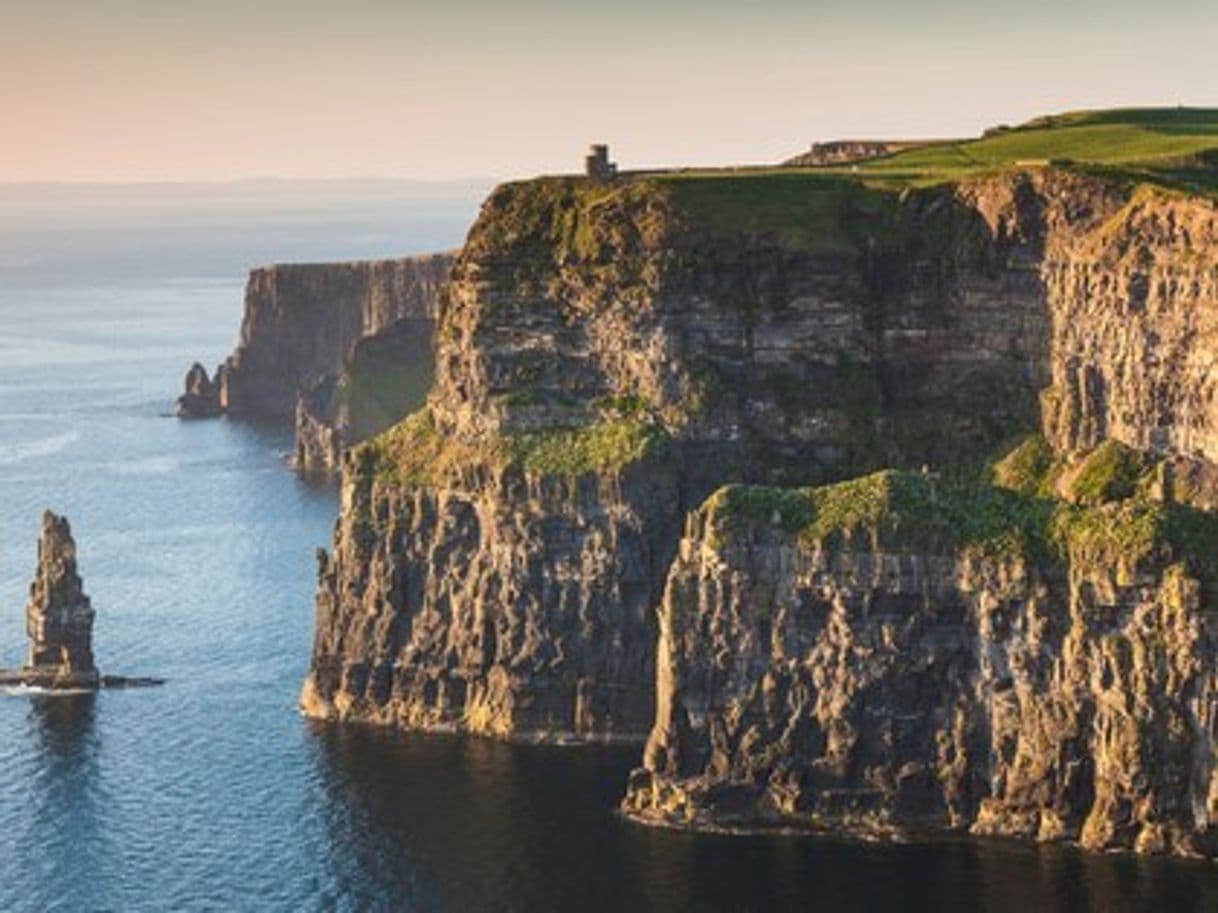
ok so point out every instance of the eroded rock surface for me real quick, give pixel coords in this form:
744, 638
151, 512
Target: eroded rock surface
341, 349
600, 369
885, 656
58, 615
302, 322
608, 356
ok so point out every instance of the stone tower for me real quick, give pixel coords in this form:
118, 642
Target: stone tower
597, 165
59, 617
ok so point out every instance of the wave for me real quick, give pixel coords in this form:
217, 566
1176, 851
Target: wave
20, 451
145, 466
38, 690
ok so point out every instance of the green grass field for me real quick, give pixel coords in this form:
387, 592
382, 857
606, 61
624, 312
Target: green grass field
1172, 145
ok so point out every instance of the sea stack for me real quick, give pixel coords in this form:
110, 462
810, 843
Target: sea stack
59, 616
201, 398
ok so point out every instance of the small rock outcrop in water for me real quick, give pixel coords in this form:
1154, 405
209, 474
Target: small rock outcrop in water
59, 616
201, 398
59, 621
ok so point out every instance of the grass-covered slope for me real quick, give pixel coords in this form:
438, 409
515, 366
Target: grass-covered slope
1167, 144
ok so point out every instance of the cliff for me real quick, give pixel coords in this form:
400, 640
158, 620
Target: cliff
901, 653
302, 322
912, 649
385, 377
607, 356
312, 337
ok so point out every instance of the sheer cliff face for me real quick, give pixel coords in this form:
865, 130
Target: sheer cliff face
502, 603
605, 358
904, 667
1135, 331
783, 329
303, 321
609, 354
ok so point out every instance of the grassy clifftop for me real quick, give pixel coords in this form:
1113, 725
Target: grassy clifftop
1167, 145
829, 209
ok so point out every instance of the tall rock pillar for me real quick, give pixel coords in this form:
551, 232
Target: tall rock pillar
59, 616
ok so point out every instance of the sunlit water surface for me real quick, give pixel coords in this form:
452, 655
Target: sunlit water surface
212, 793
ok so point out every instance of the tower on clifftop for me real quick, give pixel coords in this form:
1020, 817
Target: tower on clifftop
597, 165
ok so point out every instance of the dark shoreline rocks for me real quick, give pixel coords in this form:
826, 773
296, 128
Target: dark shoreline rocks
201, 398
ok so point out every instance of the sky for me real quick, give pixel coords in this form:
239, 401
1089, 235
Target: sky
166, 90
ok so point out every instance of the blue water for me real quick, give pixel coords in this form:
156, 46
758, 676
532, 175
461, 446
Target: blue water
211, 793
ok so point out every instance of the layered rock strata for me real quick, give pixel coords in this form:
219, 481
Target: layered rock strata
607, 357
58, 615
492, 598
894, 654
301, 334
302, 322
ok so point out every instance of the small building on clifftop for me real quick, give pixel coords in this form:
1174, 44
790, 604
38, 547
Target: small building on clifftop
597, 165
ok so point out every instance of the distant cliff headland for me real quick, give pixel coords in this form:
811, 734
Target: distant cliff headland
876, 495
312, 336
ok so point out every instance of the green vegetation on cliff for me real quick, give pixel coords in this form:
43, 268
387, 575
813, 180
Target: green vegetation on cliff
625, 230
415, 452
412, 452
893, 506
375, 393
605, 447
807, 212
905, 510
1111, 472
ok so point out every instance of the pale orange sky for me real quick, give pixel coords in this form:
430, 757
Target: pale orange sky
145, 90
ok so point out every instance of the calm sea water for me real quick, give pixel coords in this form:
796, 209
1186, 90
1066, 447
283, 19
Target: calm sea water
197, 548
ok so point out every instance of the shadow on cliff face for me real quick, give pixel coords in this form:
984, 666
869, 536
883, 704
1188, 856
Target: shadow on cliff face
450, 823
